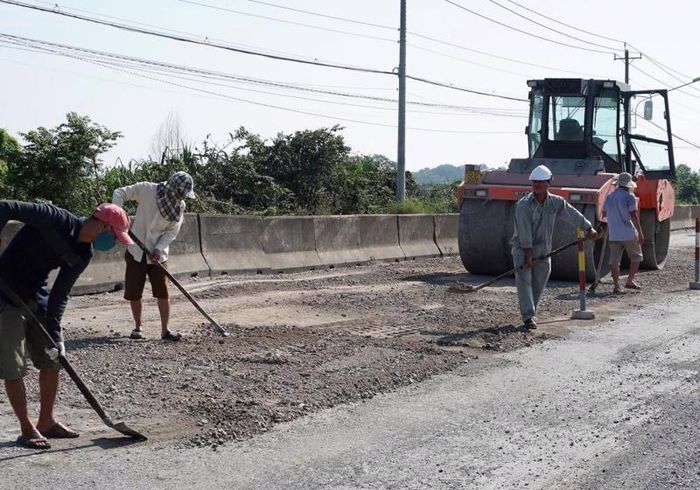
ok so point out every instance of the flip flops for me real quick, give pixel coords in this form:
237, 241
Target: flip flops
59, 431
34, 442
136, 334
632, 285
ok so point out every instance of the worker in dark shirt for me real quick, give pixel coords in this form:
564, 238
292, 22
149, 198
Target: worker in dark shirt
51, 238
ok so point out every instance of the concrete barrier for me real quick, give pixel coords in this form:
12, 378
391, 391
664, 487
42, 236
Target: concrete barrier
417, 236
186, 258
289, 243
233, 243
684, 217
338, 240
104, 273
379, 237
446, 233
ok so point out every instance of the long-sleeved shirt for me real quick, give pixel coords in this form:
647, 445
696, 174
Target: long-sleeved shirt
47, 241
149, 225
534, 222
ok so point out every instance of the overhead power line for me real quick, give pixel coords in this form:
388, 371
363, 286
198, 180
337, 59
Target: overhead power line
417, 35
673, 73
192, 40
56, 6
669, 72
464, 60
664, 84
687, 77
122, 64
664, 130
291, 22
169, 67
507, 26
492, 55
565, 24
694, 145
297, 111
550, 28
454, 87
326, 16
420, 48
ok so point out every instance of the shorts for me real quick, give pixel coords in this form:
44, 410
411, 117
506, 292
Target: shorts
632, 247
18, 340
135, 279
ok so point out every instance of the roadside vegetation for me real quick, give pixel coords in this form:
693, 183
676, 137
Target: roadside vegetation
308, 172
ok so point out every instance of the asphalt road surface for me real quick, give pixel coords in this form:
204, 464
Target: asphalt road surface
613, 405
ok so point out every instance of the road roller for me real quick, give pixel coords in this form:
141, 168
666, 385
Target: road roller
586, 132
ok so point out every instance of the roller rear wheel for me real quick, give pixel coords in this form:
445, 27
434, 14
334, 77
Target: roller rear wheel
485, 230
657, 237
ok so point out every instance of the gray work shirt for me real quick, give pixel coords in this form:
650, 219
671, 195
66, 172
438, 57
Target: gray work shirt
619, 207
534, 222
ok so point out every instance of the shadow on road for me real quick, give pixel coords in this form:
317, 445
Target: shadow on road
449, 279
97, 341
101, 442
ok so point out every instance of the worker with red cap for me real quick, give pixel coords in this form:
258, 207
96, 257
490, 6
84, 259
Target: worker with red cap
51, 238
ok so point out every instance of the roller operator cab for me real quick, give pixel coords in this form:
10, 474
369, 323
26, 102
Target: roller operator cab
586, 132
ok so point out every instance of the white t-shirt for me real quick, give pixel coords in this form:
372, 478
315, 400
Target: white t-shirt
149, 225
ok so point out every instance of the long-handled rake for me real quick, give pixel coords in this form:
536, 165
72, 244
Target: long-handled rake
36, 323
221, 330
468, 288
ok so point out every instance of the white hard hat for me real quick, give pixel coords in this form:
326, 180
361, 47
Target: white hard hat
541, 173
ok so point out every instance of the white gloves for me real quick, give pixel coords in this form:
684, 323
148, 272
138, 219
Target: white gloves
53, 353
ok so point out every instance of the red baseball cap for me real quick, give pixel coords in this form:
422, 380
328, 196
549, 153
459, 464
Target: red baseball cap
117, 218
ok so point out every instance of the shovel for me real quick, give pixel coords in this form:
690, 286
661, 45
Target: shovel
221, 330
36, 323
468, 288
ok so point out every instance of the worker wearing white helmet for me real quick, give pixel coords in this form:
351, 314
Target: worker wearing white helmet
535, 215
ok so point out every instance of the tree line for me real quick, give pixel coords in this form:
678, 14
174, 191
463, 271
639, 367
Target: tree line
306, 172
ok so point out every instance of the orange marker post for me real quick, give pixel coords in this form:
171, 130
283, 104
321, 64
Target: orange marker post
582, 314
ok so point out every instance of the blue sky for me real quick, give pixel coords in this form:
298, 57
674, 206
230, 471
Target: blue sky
39, 89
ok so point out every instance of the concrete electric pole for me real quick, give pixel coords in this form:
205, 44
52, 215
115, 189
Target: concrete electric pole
401, 153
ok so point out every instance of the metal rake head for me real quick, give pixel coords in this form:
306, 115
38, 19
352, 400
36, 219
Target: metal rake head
127, 431
462, 288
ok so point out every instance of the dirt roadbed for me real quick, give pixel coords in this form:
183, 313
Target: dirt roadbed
302, 342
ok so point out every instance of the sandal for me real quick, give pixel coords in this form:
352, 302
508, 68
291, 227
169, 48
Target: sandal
617, 291
136, 334
632, 285
171, 336
59, 431
34, 442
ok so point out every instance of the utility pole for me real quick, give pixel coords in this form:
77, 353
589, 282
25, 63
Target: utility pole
627, 60
401, 153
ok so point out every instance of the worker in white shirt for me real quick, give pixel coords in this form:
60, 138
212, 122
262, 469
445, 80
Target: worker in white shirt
159, 216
